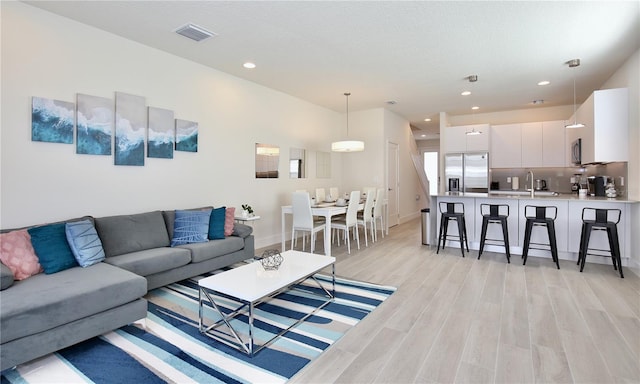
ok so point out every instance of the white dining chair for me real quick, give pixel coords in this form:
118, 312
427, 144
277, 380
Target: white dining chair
334, 192
377, 213
365, 217
349, 222
320, 195
303, 219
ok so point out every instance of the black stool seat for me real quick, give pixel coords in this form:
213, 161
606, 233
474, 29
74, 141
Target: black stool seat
538, 216
495, 214
603, 220
452, 211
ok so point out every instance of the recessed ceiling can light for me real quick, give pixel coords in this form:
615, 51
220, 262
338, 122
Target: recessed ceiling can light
427, 119
466, 93
475, 107
249, 65
544, 82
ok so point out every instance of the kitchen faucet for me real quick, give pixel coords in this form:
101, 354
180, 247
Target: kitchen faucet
530, 173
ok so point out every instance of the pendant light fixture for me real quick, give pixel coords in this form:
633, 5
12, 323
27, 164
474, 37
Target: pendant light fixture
347, 145
572, 64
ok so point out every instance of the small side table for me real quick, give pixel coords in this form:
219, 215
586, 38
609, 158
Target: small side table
244, 220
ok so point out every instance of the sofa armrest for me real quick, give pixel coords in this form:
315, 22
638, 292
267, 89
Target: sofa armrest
242, 230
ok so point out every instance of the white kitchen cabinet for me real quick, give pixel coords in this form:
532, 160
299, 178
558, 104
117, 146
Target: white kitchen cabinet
553, 143
605, 137
531, 145
456, 140
505, 149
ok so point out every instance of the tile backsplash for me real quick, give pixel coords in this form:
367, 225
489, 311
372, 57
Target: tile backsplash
559, 179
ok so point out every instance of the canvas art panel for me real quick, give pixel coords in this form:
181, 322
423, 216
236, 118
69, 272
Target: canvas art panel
94, 125
131, 123
161, 134
52, 121
186, 136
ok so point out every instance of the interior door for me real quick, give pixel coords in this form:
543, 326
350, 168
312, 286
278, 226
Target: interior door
393, 216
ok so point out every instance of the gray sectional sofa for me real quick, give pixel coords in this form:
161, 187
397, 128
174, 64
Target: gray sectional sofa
45, 313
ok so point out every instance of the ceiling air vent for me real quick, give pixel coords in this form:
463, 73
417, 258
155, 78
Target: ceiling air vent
194, 32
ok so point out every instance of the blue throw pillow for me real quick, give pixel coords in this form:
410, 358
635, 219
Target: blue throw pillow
84, 242
191, 227
216, 223
52, 248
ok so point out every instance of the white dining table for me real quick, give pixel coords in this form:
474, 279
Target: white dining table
326, 210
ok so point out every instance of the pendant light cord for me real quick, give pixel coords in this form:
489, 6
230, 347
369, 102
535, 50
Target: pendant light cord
347, 94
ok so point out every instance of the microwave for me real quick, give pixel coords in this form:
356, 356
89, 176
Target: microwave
576, 152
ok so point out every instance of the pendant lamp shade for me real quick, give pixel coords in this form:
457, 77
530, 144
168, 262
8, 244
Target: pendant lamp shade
572, 64
347, 145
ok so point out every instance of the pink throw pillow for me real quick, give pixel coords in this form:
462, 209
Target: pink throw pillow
17, 253
229, 220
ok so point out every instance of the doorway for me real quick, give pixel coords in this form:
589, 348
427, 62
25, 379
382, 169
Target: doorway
393, 215
430, 161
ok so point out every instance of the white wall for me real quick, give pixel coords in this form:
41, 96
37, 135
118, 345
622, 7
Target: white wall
629, 76
53, 57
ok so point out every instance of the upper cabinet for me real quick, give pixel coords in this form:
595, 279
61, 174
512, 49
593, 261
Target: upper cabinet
528, 145
456, 139
605, 136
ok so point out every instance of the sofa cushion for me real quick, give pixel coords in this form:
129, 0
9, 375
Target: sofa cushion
43, 302
216, 223
6, 277
151, 261
190, 227
213, 248
242, 230
170, 218
131, 233
84, 242
230, 218
52, 248
17, 254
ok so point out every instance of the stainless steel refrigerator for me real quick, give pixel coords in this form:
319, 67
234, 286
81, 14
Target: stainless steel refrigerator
466, 172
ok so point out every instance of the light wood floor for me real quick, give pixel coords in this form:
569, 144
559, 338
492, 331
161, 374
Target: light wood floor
465, 320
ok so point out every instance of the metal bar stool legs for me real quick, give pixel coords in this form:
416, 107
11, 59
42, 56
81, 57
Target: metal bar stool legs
541, 217
452, 211
491, 215
603, 220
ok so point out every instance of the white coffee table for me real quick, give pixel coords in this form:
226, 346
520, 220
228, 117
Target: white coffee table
250, 285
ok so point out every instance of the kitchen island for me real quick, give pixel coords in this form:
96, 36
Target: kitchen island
568, 222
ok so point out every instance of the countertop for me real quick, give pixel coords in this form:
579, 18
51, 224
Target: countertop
524, 195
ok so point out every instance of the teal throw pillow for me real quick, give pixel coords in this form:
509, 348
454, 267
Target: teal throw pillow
191, 227
84, 242
216, 223
52, 248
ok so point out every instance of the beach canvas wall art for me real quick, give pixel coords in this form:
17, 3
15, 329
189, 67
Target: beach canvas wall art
94, 125
186, 136
161, 134
131, 124
52, 121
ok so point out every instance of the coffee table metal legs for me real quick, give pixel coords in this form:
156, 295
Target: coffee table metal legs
233, 338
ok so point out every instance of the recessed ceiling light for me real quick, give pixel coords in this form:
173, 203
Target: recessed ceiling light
423, 135
466, 93
249, 65
475, 107
427, 119
544, 82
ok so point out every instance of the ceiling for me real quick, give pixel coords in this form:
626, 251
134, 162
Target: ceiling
417, 54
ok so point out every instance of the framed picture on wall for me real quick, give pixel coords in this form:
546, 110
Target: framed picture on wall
131, 122
94, 126
161, 134
186, 136
52, 121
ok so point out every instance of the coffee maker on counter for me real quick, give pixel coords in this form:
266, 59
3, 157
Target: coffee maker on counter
597, 185
576, 181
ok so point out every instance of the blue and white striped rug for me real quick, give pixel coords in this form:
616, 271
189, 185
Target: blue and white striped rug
169, 348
